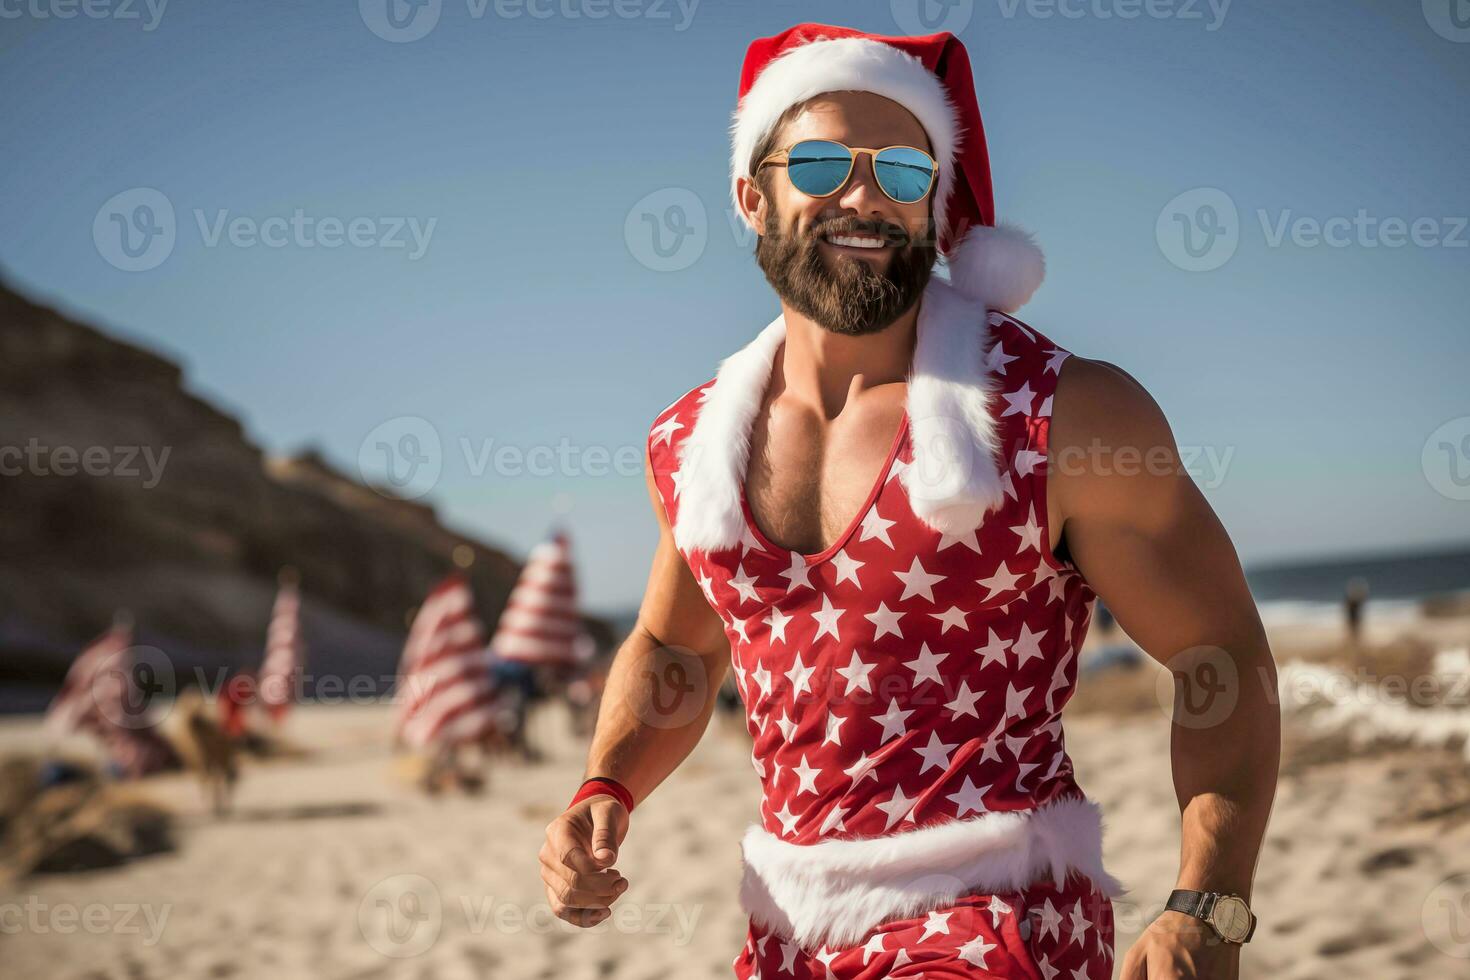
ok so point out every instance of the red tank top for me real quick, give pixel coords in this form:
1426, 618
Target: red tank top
909, 674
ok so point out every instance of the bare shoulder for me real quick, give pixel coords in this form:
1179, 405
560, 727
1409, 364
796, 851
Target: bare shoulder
1109, 440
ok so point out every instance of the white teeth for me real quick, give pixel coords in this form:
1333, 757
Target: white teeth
854, 242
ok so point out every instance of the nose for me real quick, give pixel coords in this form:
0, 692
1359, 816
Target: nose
862, 193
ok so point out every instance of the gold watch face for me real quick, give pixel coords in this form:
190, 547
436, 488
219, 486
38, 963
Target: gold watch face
1231, 918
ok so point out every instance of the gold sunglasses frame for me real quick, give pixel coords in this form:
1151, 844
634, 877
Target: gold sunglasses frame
852, 153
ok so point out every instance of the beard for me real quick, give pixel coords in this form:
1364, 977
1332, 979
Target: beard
850, 298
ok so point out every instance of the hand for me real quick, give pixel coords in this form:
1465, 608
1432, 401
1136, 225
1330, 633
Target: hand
576, 860
1176, 946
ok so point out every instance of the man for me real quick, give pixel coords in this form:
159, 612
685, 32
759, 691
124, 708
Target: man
893, 512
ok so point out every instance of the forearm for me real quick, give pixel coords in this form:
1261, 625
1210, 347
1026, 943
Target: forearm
655, 707
1225, 755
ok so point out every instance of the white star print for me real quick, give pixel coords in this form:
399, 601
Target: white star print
777, 621
806, 776
935, 754
1054, 360
664, 431
856, 674
1002, 581
998, 910
938, 924
964, 702
893, 721
953, 616
798, 575
1030, 532
1015, 702
827, 618
1027, 645
707, 586
926, 665
787, 818
993, 652
847, 568
744, 584
970, 798
749, 542
997, 359
862, 769
968, 539
787, 726
916, 581
885, 620
1050, 919
762, 678
834, 725
677, 478
788, 958
738, 625
833, 819
800, 676
1018, 402
875, 526
1080, 925
873, 945
973, 952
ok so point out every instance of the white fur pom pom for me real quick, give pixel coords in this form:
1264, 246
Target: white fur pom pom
1000, 267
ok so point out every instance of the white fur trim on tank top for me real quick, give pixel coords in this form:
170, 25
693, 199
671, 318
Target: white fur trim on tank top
835, 892
954, 478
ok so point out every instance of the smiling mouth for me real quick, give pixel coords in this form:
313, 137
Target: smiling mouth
856, 241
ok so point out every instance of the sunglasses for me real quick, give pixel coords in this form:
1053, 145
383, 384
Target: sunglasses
821, 168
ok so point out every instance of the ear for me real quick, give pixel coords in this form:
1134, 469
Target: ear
752, 203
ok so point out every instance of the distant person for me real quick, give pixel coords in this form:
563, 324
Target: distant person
858, 513
1354, 600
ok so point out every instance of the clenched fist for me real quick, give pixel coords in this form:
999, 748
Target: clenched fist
577, 857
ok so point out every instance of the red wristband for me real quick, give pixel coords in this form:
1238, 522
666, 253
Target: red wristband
602, 786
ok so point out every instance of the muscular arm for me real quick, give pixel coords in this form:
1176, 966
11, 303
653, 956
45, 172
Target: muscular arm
662, 687
1150, 546
657, 703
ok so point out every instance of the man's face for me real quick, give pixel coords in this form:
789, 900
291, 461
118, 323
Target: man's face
864, 285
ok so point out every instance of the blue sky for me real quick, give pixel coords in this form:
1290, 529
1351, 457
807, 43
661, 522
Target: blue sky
527, 141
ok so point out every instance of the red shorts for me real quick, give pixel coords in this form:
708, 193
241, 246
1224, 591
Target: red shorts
1041, 933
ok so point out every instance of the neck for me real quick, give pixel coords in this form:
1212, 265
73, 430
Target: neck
826, 370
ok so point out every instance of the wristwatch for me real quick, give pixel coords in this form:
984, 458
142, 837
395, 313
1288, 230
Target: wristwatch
1228, 915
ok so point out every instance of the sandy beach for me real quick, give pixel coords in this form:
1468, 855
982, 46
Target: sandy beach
333, 865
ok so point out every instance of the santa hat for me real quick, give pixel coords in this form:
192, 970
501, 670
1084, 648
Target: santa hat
998, 265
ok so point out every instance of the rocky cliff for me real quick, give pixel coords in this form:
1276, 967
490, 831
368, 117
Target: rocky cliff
121, 490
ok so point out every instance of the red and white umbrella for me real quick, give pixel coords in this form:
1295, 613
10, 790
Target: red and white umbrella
446, 693
540, 624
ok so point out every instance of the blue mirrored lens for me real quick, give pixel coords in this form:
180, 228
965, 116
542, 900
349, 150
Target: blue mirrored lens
818, 167
905, 174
